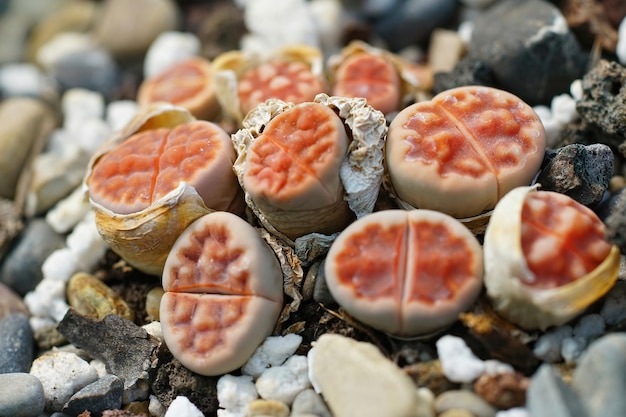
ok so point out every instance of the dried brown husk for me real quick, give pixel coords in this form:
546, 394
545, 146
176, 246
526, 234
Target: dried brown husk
143, 239
229, 67
361, 171
506, 271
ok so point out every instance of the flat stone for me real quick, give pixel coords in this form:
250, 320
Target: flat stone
103, 394
529, 48
10, 302
309, 402
412, 21
21, 395
578, 171
127, 29
16, 344
21, 269
599, 379
25, 124
62, 374
126, 349
549, 396
355, 379
465, 400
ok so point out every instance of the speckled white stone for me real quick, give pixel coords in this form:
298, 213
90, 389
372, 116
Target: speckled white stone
62, 374
182, 407
234, 393
119, 113
155, 407
283, 383
273, 352
168, 49
620, 50
458, 362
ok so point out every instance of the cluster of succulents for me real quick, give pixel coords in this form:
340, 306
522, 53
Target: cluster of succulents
238, 173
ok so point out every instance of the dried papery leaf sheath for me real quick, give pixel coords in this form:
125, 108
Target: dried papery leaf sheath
292, 171
462, 151
188, 84
546, 258
150, 206
407, 273
369, 76
223, 294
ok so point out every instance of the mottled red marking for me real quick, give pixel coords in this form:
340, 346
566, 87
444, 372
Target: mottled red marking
297, 146
562, 240
178, 84
288, 81
472, 131
419, 261
371, 261
211, 263
152, 163
437, 140
444, 263
371, 77
202, 321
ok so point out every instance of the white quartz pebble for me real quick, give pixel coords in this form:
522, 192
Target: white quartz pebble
458, 362
21, 79
234, 393
621, 42
182, 407
62, 374
67, 213
513, 412
168, 49
155, 407
79, 104
119, 113
283, 383
273, 352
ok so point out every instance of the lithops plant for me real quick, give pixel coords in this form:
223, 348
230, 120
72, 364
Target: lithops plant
155, 177
406, 272
385, 80
223, 294
462, 151
302, 173
187, 84
244, 80
546, 258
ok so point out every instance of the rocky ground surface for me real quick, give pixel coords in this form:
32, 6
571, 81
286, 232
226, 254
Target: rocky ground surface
69, 75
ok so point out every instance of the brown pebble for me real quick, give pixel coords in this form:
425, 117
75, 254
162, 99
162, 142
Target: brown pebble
503, 391
94, 299
138, 408
430, 375
153, 303
456, 412
267, 408
10, 302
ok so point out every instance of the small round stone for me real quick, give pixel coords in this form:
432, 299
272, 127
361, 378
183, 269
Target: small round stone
16, 344
21, 395
93, 298
153, 303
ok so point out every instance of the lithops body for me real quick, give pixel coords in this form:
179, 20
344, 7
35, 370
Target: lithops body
408, 273
387, 81
546, 258
462, 151
188, 84
158, 175
301, 172
244, 80
223, 294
